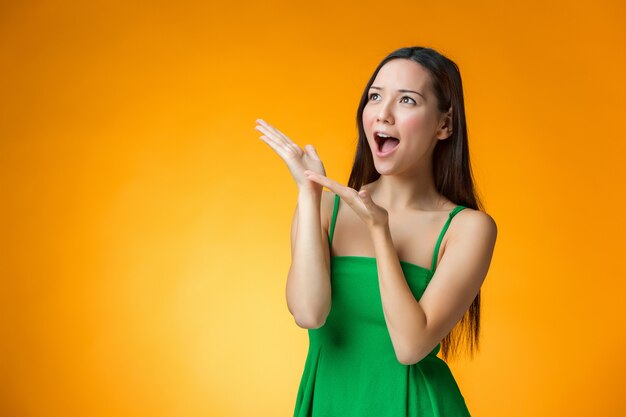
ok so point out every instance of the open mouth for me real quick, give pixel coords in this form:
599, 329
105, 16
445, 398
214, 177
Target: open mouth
385, 142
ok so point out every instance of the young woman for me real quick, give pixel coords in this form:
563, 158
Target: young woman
385, 268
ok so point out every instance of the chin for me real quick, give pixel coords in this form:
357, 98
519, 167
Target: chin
385, 169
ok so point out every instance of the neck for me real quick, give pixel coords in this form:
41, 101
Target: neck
409, 191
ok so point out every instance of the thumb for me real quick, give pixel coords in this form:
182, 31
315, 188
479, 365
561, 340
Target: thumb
310, 149
365, 195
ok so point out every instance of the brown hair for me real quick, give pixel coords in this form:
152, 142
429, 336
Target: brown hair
450, 160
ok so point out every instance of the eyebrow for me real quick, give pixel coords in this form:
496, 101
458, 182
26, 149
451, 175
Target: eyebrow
404, 91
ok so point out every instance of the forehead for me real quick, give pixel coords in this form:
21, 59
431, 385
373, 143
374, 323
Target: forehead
403, 73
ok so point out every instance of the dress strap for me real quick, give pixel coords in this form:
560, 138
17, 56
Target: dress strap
333, 220
443, 232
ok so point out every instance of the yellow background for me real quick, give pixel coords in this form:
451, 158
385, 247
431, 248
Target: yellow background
145, 226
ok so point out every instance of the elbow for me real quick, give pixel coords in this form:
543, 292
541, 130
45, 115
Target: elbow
309, 322
410, 359
411, 356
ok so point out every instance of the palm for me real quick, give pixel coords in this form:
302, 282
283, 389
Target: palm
308, 162
297, 159
361, 202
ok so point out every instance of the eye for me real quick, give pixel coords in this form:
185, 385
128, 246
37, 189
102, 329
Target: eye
372, 95
414, 102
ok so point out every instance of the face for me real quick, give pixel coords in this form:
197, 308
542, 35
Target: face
401, 104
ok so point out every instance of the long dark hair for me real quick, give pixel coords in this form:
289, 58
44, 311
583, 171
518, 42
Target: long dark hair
451, 165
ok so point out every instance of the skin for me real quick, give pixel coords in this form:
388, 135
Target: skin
406, 194
406, 176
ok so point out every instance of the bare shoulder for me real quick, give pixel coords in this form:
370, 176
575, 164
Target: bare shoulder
475, 223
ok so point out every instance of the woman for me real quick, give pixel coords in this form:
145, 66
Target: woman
383, 294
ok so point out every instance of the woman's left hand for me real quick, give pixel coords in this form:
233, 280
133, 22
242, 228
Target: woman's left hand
361, 202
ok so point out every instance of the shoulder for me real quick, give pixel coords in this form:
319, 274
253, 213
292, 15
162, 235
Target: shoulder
474, 224
470, 246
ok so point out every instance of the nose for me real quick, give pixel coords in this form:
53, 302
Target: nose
384, 113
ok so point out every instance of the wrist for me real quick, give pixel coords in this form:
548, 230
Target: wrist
379, 230
309, 194
310, 191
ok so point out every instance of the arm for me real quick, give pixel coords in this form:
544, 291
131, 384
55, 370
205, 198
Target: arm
415, 326
308, 282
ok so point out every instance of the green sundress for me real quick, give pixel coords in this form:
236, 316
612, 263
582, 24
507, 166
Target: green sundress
351, 369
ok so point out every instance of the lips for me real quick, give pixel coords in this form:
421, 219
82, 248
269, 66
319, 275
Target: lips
386, 145
381, 137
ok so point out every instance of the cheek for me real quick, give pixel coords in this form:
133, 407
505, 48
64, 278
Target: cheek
367, 116
413, 123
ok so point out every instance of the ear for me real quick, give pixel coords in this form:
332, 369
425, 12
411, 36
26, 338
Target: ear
445, 126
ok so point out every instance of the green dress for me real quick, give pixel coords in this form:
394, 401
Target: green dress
351, 369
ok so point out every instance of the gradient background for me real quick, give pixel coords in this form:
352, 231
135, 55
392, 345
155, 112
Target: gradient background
145, 226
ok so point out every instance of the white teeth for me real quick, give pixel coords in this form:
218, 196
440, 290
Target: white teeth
382, 135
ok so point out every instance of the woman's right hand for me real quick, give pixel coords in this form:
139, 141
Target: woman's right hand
297, 160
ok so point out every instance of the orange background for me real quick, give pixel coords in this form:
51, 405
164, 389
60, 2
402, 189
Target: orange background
145, 226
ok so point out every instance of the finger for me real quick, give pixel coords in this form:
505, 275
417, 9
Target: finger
280, 141
284, 151
334, 186
348, 194
263, 123
282, 147
272, 131
366, 197
268, 130
310, 150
